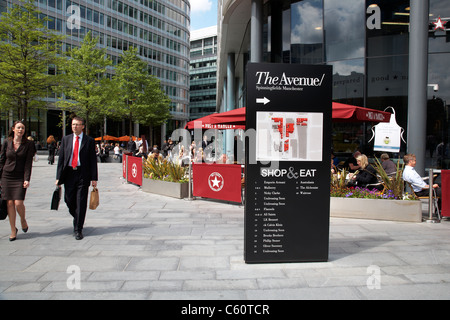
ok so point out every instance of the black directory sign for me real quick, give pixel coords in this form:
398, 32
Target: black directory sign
287, 174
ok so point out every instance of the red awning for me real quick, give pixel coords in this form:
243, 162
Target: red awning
126, 138
106, 138
235, 119
348, 113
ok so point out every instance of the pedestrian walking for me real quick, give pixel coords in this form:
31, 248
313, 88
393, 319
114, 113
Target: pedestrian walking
77, 169
51, 146
16, 161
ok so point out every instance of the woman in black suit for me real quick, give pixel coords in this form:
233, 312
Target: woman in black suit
16, 160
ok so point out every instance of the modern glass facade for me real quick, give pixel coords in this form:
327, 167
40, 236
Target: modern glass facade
159, 29
367, 43
203, 72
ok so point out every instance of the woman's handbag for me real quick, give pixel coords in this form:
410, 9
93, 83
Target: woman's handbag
94, 201
56, 198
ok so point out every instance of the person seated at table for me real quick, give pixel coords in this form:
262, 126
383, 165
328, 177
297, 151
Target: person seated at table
199, 156
141, 153
366, 174
155, 155
333, 167
419, 186
351, 164
387, 164
334, 159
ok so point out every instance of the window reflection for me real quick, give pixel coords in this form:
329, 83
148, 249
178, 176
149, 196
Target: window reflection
307, 32
348, 81
344, 29
387, 76
393, 36
439, 41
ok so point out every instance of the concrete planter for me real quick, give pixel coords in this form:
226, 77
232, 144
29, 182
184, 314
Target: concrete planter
376, 209
166, 188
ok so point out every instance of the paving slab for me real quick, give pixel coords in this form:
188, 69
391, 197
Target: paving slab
144, 246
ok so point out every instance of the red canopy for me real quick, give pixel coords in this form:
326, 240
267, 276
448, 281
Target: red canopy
235, 119
126, 138
349, 113
106, 138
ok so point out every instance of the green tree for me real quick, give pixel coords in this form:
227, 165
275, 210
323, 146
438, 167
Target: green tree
27, 49
85, 84
140, 96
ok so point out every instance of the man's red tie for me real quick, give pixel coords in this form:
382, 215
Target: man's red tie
75, 152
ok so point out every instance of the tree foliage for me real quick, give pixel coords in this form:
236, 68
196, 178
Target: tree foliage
139, 93
27, 49
85, 84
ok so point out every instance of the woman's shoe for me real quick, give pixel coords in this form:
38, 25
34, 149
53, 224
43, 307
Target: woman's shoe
12, 239
25, 229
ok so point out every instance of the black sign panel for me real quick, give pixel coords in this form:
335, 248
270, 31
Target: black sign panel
288, 122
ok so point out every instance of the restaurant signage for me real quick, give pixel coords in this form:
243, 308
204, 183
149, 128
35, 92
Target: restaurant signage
287, 173
439, 24
217, 181
134, 170
387, 135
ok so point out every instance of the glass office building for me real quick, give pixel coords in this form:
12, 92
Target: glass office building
203, 72
158, 28
366, 42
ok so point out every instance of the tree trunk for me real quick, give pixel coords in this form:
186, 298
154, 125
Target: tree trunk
24, 110
86, 123
131, 125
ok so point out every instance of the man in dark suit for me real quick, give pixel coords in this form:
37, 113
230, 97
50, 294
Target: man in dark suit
77, 169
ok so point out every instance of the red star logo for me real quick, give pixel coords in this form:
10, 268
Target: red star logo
439, 24
215, 181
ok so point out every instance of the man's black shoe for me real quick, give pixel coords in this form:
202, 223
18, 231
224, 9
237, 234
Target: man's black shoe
78, 236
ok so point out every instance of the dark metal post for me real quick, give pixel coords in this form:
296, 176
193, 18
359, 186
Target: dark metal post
256, 31
417, 81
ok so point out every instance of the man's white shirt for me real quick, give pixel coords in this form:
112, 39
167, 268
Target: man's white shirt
410, 175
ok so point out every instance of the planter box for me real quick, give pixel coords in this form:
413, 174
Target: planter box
376, 209
166, 188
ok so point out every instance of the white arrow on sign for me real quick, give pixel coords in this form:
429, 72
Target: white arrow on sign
262, 100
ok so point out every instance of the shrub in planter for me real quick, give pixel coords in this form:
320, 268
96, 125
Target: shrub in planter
164, 170
393, 186
394, 182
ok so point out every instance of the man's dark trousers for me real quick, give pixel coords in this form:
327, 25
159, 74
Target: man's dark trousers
76, 192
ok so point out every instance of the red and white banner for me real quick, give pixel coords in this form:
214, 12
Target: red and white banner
124, 163
445, 192
134, 170
124, 166
217, 181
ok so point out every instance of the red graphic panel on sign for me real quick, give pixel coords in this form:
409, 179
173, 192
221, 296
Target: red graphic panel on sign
134, 170
217, 181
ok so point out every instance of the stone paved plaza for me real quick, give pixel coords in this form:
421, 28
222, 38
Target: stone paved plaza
143, 246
